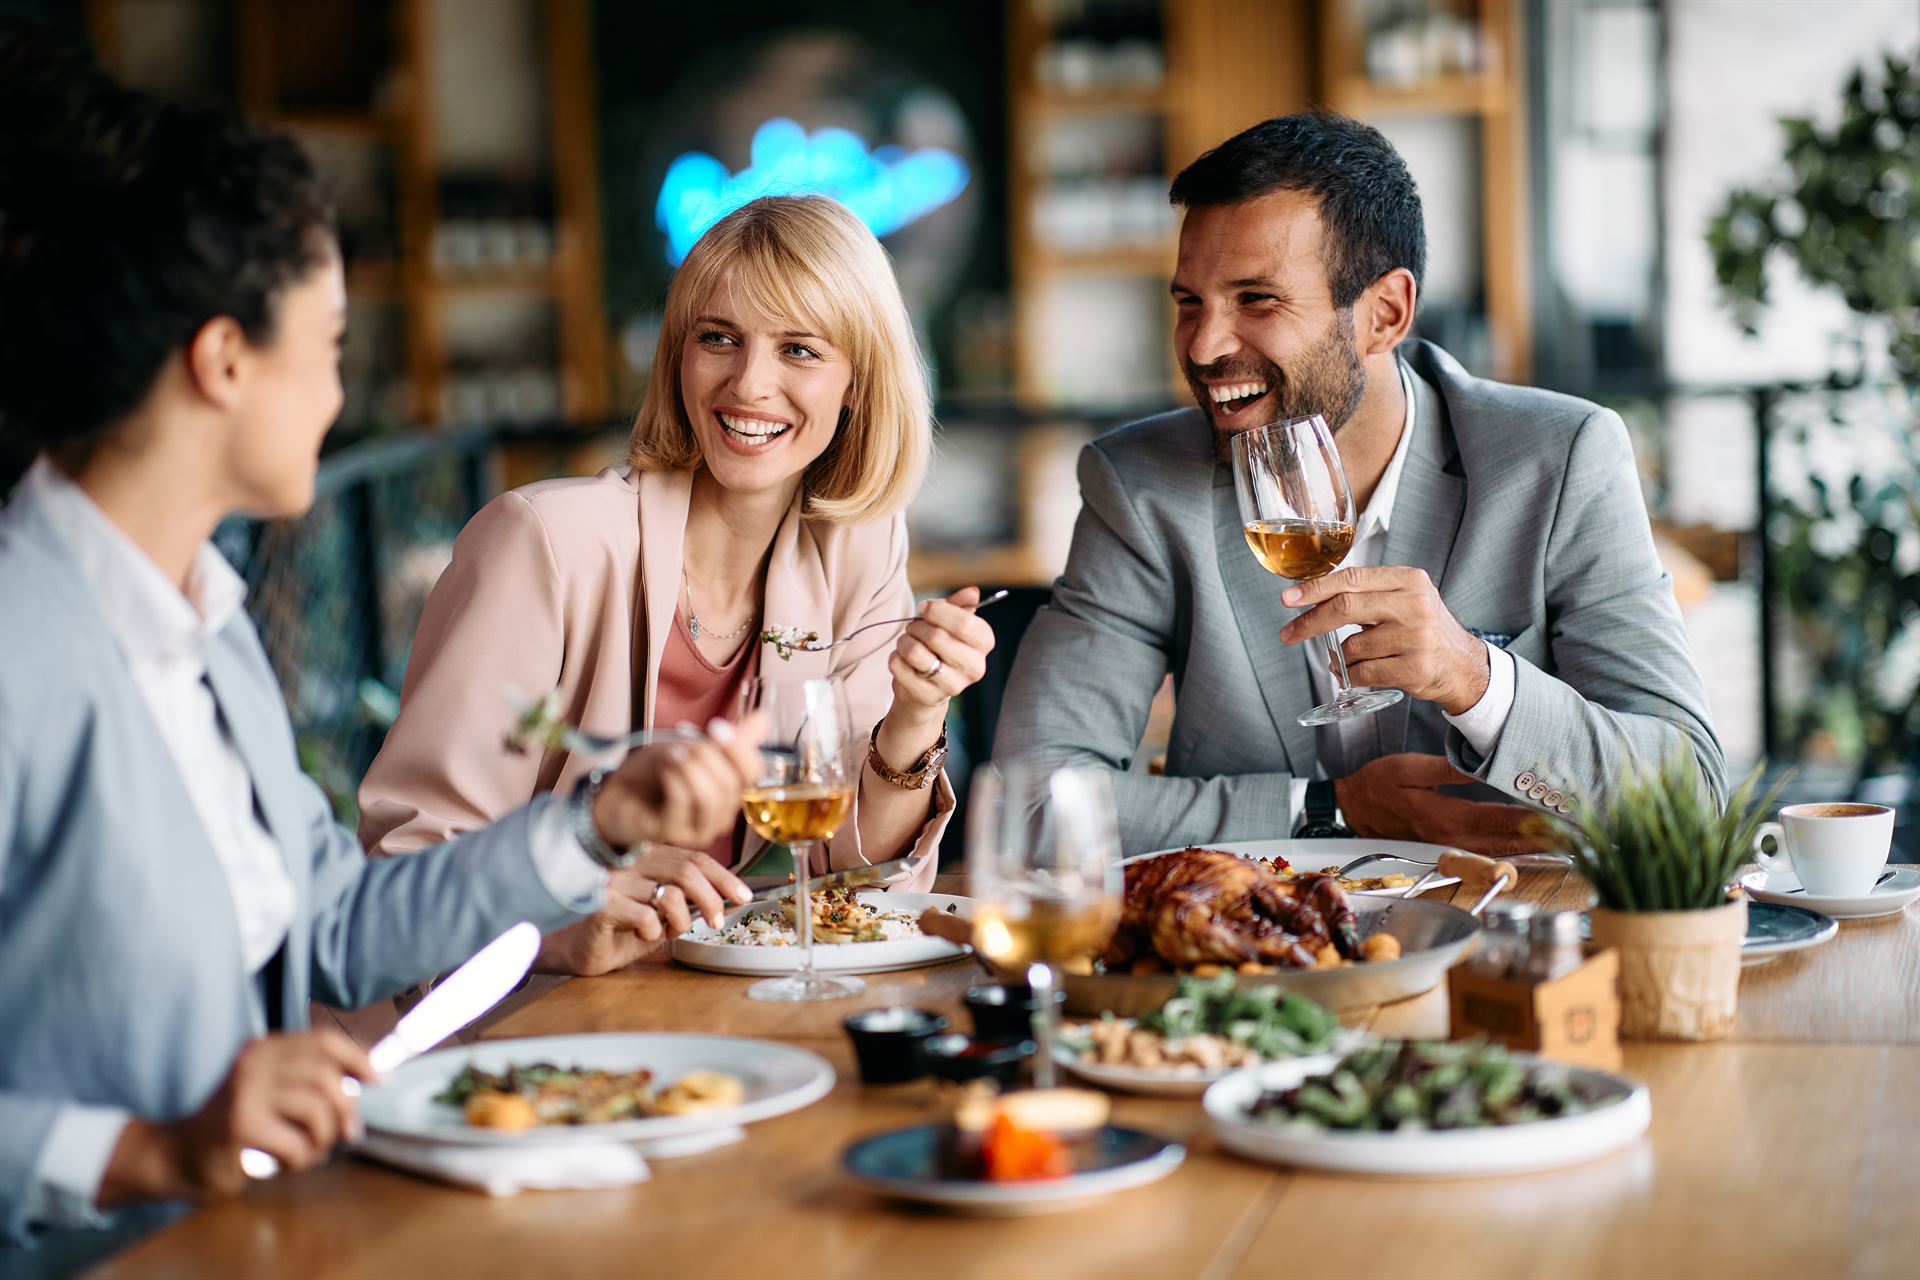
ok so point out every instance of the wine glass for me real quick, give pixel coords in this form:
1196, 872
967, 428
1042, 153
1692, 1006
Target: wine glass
804, 794
1297, 513
1043, 862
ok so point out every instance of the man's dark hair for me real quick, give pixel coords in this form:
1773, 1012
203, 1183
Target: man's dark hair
1369, 206
125, 225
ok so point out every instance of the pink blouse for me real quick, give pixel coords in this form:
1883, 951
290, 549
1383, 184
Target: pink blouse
693, 691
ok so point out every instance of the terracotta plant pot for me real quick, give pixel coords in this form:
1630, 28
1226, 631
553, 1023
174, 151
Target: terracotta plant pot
1679, 970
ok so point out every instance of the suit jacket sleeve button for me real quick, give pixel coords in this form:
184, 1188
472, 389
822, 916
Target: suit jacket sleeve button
1524, 782
1555, 799
1539, 791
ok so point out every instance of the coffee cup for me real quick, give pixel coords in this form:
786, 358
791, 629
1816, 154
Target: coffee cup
1837, 850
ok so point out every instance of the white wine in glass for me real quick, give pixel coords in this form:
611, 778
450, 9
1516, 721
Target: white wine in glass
1043, 865
1297, 514
803, 796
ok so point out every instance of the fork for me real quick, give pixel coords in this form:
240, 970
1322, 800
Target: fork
815, 646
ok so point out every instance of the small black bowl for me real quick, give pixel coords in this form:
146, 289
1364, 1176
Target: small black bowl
887, 1042
1004, 1010
959, 1058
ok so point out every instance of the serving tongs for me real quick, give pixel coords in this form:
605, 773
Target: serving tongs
1468, 869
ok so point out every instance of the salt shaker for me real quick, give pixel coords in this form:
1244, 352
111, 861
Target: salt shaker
1554, 945
1503, 942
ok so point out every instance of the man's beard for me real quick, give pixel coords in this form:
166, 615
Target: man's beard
1328, 379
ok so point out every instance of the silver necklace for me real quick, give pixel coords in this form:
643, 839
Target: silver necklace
694, 626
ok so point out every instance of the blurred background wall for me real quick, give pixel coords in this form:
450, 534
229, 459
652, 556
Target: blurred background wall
1609, 192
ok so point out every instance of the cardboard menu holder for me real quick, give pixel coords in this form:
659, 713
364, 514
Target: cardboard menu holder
1574, 1018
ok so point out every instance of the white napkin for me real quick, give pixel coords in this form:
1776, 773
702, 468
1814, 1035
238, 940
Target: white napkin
554, 1166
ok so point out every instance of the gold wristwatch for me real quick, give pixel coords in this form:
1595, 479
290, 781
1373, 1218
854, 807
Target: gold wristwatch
923, 769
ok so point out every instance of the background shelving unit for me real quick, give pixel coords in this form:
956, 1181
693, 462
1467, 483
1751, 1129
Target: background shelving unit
1389, 63
356, 81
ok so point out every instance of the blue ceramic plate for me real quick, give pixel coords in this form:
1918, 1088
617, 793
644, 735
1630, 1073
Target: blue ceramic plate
1773, 929
903, 1163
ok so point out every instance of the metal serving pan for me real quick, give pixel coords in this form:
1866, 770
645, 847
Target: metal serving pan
1434, 936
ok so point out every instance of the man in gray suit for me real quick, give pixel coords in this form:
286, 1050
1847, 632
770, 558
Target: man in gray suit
1503, 572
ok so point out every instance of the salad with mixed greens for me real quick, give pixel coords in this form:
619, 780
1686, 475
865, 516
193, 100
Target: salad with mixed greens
1207, 1026
1421, 1084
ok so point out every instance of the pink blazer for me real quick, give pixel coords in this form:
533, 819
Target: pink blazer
571, 585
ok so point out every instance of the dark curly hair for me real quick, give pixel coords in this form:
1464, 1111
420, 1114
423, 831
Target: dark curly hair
126, 224
1369, 206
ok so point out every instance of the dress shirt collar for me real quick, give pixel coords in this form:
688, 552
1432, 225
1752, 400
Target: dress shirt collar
1378, 517
151, 619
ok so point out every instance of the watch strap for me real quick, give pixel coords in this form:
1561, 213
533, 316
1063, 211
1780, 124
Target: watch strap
580, 815
915, 778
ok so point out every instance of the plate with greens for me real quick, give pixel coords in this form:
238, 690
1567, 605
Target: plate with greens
1427, 1109
1205, 1032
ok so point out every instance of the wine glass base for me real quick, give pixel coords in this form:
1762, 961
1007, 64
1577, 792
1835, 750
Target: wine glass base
1356, 703
805, 986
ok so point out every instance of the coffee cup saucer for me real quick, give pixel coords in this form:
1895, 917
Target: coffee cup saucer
1885, 899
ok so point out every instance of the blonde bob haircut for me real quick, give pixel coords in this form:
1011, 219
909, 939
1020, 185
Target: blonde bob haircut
808, 262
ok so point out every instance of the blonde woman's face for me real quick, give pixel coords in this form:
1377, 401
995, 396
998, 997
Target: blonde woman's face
763, 395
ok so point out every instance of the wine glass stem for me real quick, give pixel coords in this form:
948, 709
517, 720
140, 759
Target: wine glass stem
1336, 663
802, 868
1045, 1015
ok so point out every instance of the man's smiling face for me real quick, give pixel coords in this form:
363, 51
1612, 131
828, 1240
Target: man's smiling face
1258, 334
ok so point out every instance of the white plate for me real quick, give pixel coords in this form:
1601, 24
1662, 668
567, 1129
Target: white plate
1389, 857
1884, 900
904, 1164
699, 948
1457, 1153
778, 1079
1170, 1082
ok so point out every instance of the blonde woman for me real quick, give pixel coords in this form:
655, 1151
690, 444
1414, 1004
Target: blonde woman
785, 426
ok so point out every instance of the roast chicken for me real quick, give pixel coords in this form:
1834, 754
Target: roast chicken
1202, 906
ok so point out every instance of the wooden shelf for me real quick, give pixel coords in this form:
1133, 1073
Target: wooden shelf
527, 281
1127, 260
353, 125
1140, 100
1009, 565
374, 280
1452, 95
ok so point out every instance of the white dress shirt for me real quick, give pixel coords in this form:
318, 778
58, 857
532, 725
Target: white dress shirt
1482, 723
165, 637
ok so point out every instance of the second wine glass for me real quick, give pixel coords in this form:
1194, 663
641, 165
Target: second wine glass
1043, 865
803, 796
1297, 514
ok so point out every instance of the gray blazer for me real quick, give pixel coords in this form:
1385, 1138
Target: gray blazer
121, 979
1523, 506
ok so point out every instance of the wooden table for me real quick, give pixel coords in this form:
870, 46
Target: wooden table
1792, 1149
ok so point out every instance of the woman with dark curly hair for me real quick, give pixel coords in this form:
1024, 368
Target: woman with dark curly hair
172, 889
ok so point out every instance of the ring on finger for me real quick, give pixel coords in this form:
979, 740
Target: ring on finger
659, 892
932, 671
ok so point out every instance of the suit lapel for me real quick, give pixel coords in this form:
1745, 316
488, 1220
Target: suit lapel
1426, 517
1254, 595
252, 727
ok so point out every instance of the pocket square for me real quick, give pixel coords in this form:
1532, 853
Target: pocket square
1498, 639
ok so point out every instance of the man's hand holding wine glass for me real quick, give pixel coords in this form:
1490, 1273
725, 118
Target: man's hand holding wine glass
1408, 640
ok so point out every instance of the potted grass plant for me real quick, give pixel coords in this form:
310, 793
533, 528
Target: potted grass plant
1660, 858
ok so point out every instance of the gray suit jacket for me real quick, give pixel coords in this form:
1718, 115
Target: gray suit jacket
1522, 505
121, 979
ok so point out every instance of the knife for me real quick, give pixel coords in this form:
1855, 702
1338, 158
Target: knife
851, 878
463, 995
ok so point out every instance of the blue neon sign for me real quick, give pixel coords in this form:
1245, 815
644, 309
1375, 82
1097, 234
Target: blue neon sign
886, 188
